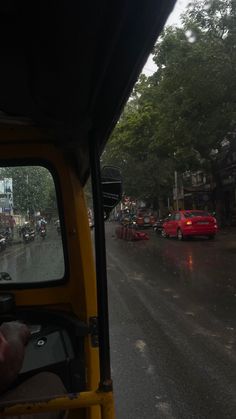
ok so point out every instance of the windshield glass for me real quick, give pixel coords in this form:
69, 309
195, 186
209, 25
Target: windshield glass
30, 241
196, 214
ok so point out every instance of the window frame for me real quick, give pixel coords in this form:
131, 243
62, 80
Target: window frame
51, 168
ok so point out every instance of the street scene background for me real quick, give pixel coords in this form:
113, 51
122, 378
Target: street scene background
172, 324
172, 303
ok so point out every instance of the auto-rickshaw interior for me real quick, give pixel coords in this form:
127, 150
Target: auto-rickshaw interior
70, 66
56, 345
67, 69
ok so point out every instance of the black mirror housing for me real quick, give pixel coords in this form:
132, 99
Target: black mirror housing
111, 188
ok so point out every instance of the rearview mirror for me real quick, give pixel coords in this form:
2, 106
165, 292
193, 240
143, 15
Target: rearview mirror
111, 188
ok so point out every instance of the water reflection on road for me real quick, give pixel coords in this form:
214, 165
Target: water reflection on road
207, 266
202, 269
40, 260
173, 314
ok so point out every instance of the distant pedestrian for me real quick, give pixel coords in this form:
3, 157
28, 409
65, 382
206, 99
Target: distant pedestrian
12, 224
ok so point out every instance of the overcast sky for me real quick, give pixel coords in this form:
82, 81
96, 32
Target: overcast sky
174, 19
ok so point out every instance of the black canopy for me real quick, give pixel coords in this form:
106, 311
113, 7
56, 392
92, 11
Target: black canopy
70, 65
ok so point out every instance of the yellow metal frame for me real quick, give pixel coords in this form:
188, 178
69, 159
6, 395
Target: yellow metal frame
71, 402
78, 294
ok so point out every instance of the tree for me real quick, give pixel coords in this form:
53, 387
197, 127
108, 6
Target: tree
178, 116
196, 86
146, 174
196, 78
33, 188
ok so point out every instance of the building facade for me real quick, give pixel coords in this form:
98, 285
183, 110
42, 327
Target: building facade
6, 196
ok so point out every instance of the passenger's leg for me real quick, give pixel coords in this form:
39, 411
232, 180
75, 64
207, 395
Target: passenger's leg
44, 384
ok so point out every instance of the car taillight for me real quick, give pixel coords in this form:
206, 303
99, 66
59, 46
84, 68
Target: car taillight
189, 223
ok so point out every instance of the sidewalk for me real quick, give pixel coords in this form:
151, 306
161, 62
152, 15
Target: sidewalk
228, 235
229, 231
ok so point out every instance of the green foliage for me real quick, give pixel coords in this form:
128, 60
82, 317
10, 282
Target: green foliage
196, 83
33, 188
176, 117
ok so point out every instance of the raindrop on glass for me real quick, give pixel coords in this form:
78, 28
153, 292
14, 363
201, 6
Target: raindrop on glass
207, 5
191, 36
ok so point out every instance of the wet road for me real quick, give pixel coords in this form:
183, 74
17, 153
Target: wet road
173, 323
39, 260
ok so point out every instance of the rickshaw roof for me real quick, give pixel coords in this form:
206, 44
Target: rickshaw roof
68, 67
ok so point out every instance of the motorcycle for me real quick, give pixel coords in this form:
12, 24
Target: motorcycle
158, 226
42, 232
3, 243
129, 221
8, 237
28, 234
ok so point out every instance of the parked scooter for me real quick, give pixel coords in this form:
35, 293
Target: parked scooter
129, 220
158, 226
8, 236
28, 233
3, 243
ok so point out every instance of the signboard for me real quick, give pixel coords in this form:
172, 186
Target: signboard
2, 188
8, 185
6, 195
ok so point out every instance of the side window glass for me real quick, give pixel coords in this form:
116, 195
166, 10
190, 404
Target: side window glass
30, 233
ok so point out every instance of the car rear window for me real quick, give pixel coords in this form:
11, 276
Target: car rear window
196, 214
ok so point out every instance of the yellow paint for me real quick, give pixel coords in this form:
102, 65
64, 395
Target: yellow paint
73, 401
78, 294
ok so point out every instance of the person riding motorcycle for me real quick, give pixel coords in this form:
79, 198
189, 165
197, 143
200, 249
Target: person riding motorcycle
41, 223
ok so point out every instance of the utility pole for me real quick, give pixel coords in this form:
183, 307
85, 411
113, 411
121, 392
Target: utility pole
27, 182
176, 191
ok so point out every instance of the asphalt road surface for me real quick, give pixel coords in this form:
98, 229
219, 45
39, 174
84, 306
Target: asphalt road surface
172, 324
172, 320
41, 259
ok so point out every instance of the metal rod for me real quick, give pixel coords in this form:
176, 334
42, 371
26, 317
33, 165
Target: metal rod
176, 191
59, 403
101, 271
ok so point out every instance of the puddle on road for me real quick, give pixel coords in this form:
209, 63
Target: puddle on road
190, 313
141, 346
205, 332
136, 276
164, 409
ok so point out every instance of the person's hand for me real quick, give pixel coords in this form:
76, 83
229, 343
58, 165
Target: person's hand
15, 332
13, 338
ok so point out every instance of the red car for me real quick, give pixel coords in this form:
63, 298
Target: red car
187, 223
